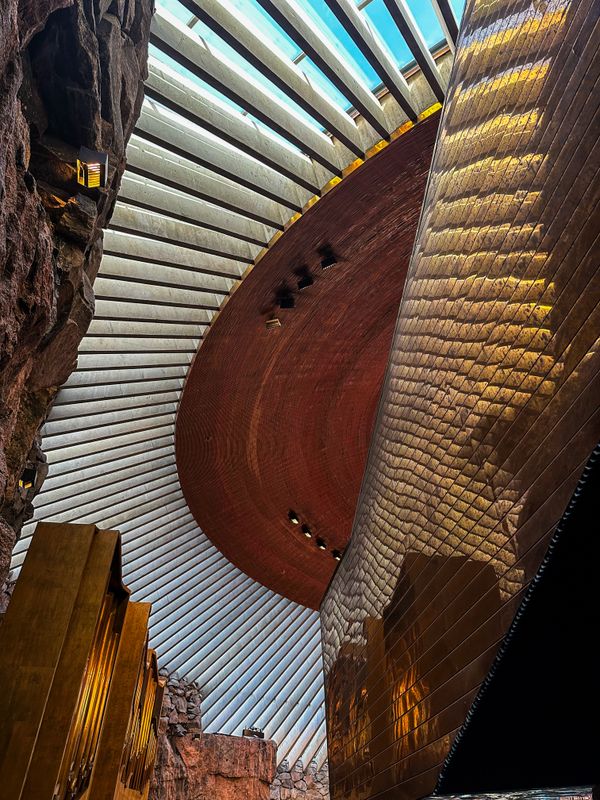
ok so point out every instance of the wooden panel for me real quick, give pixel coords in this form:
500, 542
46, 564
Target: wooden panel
489, 408
64, 700
141, 740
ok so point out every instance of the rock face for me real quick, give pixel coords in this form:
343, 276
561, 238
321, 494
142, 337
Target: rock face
180, 713
6, 591
212, 766
71, 74
192, 765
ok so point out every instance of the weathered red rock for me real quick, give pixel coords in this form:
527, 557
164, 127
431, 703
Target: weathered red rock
212, 766
71, 74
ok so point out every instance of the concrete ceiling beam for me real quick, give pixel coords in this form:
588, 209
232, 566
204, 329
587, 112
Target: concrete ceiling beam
447, 19
238, 32
149, 195
207, 63
151, 161
154, 226
412, 35
377, 54
164, 128
196, 105
160, 274
312, 40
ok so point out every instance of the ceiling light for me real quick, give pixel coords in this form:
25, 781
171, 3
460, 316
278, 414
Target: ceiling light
272, 323
287, 301
321, 544
328, 257
293, 517
92, 168
305, 281
337, 555
307, 531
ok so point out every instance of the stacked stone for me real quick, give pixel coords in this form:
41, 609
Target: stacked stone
299, 783
219, 767
180, 713
6, 590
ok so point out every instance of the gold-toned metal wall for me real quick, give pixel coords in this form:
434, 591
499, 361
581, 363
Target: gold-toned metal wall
490, 404
80, 692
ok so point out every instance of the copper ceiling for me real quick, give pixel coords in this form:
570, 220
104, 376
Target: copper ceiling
273, 420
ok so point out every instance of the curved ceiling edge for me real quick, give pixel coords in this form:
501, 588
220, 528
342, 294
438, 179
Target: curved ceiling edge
287, 429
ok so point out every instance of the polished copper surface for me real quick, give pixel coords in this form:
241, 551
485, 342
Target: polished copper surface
273, 420
490, 403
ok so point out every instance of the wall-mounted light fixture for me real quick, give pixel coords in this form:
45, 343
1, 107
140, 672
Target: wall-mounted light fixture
293, 517
92, 168
321, 544
28, 477
307, 531
337, 555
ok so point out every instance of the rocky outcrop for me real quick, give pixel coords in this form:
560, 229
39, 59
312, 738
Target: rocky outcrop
212, 766
180, 712
6, 591
71, 74
192, 765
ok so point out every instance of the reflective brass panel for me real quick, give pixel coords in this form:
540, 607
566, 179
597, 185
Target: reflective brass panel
489, 408
80, 693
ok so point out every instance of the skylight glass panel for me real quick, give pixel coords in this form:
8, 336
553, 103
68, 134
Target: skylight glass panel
221, 98
261, 20
201, 30
427, 20
316, 77
190, 76
176, 9
383, 24
459, 8
222, 47
336, 35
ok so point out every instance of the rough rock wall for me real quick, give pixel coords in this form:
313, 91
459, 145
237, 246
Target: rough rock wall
299, 783
71, 74
6, 591
192, 765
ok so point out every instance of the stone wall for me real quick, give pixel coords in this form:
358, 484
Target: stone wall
299, 783
71, 74
192, 765
6, 590
180, 713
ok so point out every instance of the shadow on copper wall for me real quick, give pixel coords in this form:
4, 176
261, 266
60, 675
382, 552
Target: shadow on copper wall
546, 673
489, 408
